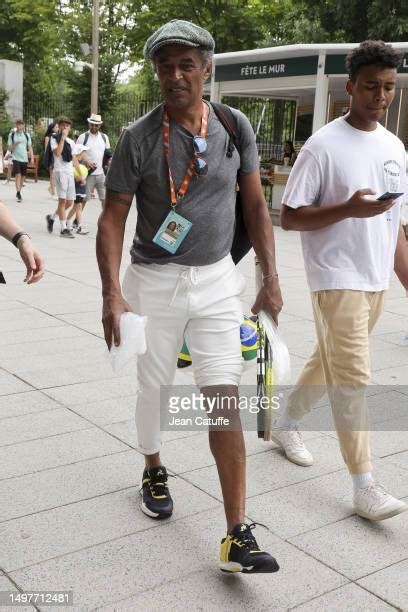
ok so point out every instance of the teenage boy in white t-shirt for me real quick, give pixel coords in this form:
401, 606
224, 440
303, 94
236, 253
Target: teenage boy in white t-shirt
351, 243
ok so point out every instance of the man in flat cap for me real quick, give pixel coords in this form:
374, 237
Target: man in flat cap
174, 160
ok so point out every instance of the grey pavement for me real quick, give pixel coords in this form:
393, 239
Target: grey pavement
69, 515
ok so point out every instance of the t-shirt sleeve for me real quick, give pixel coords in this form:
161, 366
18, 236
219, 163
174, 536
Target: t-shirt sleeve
303, 186
107, 143
54, 143
248, 149
124, 170
30, 142
80, 139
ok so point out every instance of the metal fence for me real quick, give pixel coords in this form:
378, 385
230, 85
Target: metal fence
273, 122
125, 109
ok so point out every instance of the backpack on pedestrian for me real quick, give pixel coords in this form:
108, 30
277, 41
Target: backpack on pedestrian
48, 156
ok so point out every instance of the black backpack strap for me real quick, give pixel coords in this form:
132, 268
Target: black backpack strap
230, 124
241, 243
87, 137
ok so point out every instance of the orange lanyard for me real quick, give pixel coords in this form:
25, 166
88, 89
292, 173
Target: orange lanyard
185, 183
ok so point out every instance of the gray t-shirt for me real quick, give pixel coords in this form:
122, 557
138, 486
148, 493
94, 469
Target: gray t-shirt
138, 166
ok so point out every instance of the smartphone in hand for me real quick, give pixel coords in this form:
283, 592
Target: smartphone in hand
388, 195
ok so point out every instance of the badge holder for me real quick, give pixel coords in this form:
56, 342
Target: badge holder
172, 232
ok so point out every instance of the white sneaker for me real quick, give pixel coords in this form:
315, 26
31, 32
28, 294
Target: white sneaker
374, 503
291, 441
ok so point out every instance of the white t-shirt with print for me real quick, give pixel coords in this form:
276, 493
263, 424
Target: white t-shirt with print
334, 163
59, 164
96, 150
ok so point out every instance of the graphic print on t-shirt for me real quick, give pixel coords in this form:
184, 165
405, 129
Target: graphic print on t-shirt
392, 171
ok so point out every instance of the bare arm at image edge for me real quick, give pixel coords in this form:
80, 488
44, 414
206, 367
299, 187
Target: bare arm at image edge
401, 259
32, 260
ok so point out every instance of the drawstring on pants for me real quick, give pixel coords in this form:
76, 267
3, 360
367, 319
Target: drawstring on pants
186, 276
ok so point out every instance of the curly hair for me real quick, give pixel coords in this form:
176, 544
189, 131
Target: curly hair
372, 52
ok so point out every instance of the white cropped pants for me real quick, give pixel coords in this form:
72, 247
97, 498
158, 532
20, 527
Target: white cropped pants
200, 304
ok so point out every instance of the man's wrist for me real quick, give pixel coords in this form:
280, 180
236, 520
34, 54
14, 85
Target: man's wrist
112, 294
270, 278
19, 238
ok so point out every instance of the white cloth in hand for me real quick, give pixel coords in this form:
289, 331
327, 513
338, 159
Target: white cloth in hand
132, 341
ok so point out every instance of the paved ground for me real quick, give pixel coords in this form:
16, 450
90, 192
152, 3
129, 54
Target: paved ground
69, 517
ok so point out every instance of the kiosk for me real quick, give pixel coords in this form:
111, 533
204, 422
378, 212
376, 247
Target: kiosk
311, 76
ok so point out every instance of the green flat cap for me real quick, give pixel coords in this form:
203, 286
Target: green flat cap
178, 32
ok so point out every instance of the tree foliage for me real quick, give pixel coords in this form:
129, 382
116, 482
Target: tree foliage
336, 21
29, 34
234, 24
5, 121
45, 35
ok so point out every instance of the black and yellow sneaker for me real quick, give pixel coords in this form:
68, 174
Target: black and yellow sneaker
240, 553
156, 499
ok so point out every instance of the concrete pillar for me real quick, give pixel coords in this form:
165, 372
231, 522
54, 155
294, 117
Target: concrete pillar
322, 90
215, 86
11, 79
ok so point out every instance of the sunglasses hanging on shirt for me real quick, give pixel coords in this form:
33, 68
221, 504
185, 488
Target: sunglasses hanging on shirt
200, 147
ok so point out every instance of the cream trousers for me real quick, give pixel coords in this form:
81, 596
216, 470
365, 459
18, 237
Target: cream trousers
340, 366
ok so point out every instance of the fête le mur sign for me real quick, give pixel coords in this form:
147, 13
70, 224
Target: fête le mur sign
289, 67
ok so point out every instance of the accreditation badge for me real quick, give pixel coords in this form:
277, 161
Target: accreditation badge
172, 232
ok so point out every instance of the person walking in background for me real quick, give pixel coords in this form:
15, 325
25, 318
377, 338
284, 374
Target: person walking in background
97, 142
7, 166
75, 214
20, 145
51, 130
352, 241
64, 161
